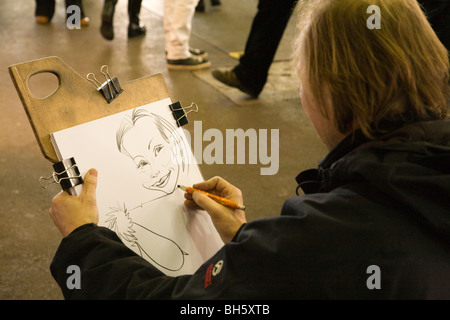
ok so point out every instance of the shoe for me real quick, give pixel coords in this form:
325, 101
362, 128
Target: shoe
191, 63
42, 20
84, 22
198, 52
107, 28
236, 54
229, 78
136, 30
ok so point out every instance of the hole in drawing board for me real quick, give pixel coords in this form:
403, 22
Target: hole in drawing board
43, 84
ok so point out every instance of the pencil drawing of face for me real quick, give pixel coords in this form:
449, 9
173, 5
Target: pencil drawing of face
154, 146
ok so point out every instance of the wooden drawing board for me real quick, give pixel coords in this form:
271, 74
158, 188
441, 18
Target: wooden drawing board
76, 100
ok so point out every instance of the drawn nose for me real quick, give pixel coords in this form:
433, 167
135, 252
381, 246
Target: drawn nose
155, 174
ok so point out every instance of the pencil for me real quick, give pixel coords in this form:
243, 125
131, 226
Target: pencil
223, 201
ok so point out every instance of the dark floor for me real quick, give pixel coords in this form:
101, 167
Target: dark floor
28, 238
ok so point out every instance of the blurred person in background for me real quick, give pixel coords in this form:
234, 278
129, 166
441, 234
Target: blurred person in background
45, 9
135, 28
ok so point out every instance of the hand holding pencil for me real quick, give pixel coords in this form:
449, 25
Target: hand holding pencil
222, 201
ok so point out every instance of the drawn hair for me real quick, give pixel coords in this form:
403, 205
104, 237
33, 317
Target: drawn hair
167, 131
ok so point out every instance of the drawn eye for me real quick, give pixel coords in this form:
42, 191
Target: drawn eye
142, 164
157, 149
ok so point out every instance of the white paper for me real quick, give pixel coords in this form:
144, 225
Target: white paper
137, 192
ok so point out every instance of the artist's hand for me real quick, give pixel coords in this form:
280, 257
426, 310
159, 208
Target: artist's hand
70, 212
227, 221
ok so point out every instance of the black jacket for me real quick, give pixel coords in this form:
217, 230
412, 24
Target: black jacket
377, 227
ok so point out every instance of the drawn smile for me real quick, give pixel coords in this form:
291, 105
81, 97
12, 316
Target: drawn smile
161, 183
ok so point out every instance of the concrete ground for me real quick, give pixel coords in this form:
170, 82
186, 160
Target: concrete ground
28, 238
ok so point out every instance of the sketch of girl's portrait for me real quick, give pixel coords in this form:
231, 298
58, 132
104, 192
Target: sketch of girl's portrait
159, 154
159, 158
142, 155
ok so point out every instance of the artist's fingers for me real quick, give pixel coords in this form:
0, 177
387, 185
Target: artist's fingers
88, 193
219, 186
207, 203
208, 185
226, 221
192, 205
56, 200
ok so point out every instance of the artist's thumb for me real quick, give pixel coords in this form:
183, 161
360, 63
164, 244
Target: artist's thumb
88, 192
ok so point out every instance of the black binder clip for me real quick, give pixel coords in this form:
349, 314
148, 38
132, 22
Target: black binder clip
66, 174
110, 89
180, 113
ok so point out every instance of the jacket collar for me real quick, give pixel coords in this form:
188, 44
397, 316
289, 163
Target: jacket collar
319, 180
315, 180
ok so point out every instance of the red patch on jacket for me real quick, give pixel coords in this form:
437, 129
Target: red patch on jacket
208, 281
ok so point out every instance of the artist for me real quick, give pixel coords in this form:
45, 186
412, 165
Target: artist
375, 220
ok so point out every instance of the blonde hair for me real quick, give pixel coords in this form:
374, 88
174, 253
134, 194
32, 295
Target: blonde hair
379, 79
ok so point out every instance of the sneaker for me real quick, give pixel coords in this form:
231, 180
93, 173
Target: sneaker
236, 54
198, 52
229, 78
191, 63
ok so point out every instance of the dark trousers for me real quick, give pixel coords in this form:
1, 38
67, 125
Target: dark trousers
134, 8
267, 29
47, 7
